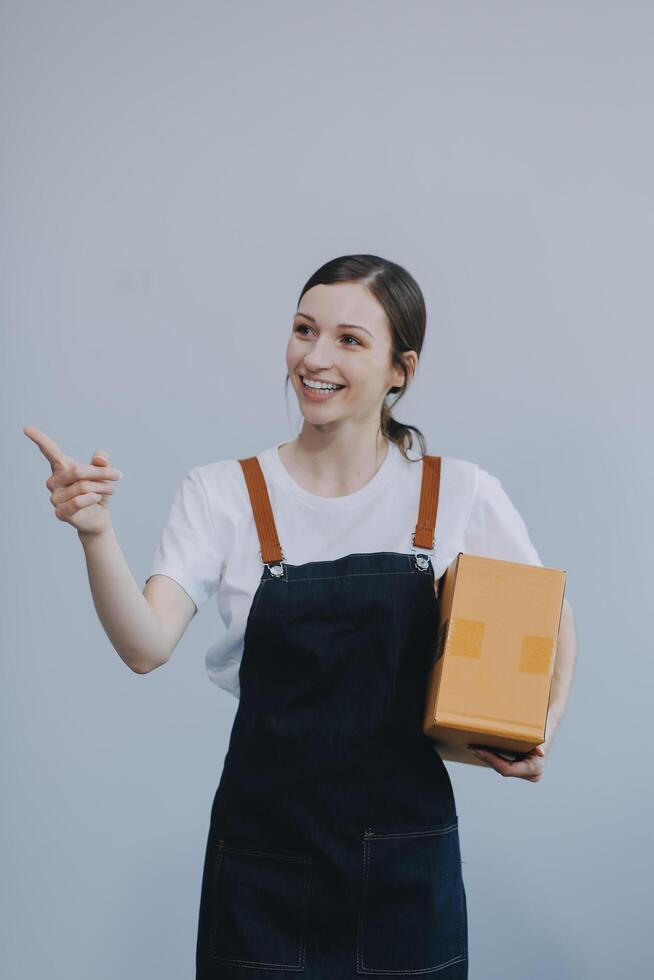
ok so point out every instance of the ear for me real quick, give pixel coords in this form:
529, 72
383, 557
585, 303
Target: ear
410, 360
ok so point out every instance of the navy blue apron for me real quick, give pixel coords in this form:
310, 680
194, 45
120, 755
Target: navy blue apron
333, 846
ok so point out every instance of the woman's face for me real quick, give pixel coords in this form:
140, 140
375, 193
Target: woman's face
340, 334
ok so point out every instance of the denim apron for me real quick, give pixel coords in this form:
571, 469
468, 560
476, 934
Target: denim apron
333, 846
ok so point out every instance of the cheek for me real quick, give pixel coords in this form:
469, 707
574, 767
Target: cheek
292, 354
363, 374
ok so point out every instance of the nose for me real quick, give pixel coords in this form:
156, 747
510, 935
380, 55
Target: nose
320, 357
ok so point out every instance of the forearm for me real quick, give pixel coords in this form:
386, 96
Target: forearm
564, 665
132, 627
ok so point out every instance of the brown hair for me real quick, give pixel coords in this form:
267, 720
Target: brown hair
399, 294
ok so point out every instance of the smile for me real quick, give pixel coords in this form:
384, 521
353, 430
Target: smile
318, 393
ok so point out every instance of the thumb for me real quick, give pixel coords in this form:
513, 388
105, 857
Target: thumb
100, 458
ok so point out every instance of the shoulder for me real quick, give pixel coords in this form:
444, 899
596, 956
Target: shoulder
459, 475
224, 475
479, 484
218, 476
495, 526
460, 469
476, 491
216, 489
462, 477
456, 492
223, 484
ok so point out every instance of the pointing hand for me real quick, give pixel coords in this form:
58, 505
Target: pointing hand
79, 491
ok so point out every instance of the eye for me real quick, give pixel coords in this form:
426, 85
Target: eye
303, 326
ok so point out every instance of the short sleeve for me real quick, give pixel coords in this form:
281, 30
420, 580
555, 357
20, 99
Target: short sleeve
495, 527
187, 549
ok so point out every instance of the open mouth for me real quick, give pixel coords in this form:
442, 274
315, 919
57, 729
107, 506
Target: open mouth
320, 392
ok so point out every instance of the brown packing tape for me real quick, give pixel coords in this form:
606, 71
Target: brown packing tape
467, 637
535, 654
467, 640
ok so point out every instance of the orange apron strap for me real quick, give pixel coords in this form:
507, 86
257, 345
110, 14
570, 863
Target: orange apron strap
271, 550
424, 534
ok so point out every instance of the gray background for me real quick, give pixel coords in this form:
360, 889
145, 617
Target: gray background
171, 175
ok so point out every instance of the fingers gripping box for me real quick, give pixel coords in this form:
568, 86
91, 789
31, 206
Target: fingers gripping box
490, 682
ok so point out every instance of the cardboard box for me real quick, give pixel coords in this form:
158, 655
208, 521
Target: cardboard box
491, 679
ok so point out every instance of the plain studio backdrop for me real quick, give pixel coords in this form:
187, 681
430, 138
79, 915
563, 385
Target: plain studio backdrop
172, 173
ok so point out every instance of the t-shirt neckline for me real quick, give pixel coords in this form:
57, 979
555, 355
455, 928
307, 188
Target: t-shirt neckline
350, 500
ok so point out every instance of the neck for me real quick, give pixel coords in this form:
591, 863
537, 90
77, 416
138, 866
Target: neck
334, 464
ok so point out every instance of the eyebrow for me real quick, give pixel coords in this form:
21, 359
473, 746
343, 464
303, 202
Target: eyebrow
346, 326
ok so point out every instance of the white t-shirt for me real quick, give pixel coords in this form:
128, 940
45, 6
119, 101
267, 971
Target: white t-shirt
209, 543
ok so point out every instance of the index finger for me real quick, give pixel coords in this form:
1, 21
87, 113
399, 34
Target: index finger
49, 448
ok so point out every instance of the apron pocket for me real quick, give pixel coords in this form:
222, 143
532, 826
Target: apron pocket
259, 904
411, 913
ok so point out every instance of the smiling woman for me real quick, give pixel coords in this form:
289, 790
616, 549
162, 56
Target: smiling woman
333, 847
371, 350
333, 844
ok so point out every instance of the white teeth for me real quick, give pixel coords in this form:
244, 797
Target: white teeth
320, 386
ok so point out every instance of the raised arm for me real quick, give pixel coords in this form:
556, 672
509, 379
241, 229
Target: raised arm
143, 626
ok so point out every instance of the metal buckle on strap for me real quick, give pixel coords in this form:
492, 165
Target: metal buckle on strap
423, 556
276, 568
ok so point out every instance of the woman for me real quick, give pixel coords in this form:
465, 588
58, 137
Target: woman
333, 845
